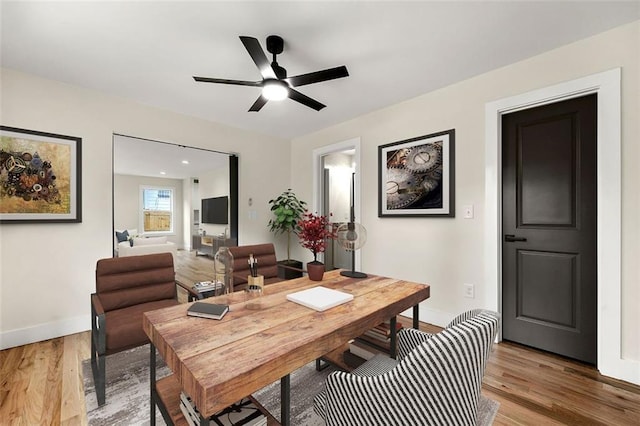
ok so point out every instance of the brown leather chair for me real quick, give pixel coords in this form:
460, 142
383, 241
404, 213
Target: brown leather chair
126, 287
267, 264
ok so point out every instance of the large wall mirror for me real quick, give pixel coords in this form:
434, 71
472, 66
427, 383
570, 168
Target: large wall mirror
159, 190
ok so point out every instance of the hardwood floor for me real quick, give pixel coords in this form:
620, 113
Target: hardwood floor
534, 387
41, 383
190, 269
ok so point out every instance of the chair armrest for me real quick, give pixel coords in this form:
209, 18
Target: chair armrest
98, 324
379, 364
191, 293
463, 317
96, 305
409, 339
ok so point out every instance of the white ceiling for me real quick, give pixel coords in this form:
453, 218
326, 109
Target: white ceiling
142, 157
148, 51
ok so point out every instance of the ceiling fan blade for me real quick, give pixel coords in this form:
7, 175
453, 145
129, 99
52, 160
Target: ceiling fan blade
305, 100
257, 54
318, 76
258, 104
225, 81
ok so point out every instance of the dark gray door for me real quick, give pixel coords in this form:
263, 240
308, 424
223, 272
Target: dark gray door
549, 225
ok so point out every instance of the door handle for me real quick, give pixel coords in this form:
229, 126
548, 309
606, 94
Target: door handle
513, 238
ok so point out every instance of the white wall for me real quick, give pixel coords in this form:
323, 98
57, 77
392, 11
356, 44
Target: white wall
126, 201
47, 270
446, 253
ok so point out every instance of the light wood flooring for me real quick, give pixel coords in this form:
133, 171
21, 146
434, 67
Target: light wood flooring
41, 384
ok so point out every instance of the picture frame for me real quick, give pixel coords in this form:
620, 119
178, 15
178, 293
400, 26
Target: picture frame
40, 177
416, 177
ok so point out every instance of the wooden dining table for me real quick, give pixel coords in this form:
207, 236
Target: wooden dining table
218, 362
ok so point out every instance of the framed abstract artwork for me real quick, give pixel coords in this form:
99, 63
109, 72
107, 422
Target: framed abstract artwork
416, 176
40, 176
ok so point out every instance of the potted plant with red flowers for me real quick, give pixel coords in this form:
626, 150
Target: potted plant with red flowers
314, 232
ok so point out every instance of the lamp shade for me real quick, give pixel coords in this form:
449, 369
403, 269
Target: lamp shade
352, 236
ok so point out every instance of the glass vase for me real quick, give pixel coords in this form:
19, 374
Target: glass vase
223, 269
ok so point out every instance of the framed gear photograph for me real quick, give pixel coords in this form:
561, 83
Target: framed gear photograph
40, 176
416, 176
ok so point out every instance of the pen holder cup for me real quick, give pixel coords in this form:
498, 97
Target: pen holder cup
253, 293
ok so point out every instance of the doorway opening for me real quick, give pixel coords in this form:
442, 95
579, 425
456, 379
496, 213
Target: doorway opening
335, 168
188, 174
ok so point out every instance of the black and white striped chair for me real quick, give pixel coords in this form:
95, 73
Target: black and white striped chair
436, 380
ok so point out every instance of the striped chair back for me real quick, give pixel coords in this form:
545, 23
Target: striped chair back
437, 383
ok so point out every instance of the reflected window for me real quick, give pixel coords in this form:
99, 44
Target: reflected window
157, 209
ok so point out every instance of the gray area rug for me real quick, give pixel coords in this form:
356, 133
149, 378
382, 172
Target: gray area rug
127, 393
305, 383
487, 410
127, 390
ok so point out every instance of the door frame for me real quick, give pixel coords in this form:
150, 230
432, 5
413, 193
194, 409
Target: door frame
607, 86
318, 179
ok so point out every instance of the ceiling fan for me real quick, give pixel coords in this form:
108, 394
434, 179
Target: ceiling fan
275, 83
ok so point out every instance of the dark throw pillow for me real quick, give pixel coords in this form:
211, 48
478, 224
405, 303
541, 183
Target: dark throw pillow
122, 236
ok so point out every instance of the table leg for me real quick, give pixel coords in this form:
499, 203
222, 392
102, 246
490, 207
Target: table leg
152, 374
285, 401
321, 364
416, 315
394, 337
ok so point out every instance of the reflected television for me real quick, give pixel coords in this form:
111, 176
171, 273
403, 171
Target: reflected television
215, 210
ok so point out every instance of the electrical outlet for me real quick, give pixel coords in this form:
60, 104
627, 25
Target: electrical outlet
467, 211
469, 291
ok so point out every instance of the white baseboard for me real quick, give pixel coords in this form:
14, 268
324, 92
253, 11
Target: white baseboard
50, 330
623, 369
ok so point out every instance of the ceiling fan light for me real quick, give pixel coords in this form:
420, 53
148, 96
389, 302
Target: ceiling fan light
275, 90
